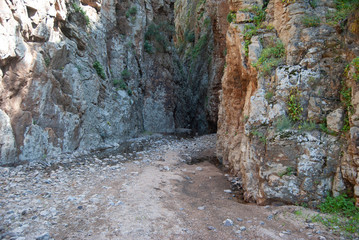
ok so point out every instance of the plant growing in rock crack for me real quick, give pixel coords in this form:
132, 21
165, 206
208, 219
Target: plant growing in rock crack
131, 13
189, 36
148, 47
269, 95
311, 21
283, 123
308, 126
120, 83
251, 30
199, 46
313, 3
289, 171
270, 57
79, 9
126, 74
295, 109
260, 135
158, 33
99, 69
346, 98
355, 65
231, 17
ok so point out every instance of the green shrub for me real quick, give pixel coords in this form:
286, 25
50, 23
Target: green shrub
270, 58
189, 36
125, 74
283, 123
120, 83
343, 213
313, 3
159, 33
260, 135
99, 69
268, 96
231, 17
295, 109
355, 64
148, 47
131, 12
259, 15
289, 171
199, 46
308, 126
311, 21
346, 99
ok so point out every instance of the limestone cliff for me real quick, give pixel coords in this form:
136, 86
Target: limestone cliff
282, 118
82, 75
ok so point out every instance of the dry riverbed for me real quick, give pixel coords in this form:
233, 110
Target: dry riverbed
151, 193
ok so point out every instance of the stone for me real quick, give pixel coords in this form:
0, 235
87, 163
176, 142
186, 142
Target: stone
211, 228
228, 191
335, 120
45, 236
228, 223
242, 228
201, 208
240, 219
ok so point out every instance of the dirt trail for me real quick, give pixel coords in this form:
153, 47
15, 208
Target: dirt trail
154, 196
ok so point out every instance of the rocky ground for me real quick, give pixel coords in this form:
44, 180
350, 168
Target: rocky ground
146, 190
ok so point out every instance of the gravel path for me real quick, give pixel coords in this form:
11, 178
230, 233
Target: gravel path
151, 193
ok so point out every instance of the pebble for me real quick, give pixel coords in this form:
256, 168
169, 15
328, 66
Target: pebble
310, 226
228, 222
201, 208
211, 228
228, 191
240, 219
261, 223
199, 169
45, 236
242, 228
322, 238
270, 217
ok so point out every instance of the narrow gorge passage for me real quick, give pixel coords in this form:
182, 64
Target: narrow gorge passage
93, 92
149, 194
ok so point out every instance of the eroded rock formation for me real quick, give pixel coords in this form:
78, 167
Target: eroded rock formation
281, 116
82, 75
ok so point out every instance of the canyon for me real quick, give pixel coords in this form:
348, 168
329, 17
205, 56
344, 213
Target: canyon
275, 80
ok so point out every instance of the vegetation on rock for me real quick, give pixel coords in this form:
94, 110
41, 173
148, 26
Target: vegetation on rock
99, 69
270, 58
79, 9
343, 9
311, 21
295, 108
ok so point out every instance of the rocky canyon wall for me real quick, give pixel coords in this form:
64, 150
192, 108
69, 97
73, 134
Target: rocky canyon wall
83, 75
286, 112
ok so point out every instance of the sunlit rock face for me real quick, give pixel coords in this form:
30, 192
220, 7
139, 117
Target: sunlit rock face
280, 153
